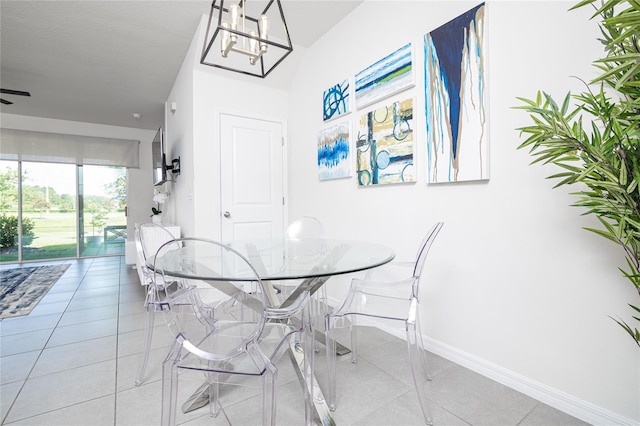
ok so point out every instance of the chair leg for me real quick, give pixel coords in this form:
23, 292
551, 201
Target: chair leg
330, 345
322, 311
308, 342
169, 392
148, 334
417, 359
319, 310
314, 308
269, 379
353, 331
423, 352
214, 396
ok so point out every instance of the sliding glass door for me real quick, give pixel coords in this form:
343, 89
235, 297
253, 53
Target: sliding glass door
9, 210
48, 205
103, 224
60, 211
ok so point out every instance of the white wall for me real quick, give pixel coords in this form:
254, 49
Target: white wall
179, 143
517, 289
139, 181
195, 135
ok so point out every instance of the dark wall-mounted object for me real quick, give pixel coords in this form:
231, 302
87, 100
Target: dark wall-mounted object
159, 159
174, 167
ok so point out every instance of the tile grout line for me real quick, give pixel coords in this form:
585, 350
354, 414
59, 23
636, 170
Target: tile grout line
40, 354
115, 390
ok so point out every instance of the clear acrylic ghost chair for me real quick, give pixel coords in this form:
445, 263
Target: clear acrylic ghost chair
305, 227
148, 238
389, 300
305, 233
237, 346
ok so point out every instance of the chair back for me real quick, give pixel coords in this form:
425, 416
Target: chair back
304, 227
304, 237
151, 237
148, 237
421, 257
239, 314
139, 250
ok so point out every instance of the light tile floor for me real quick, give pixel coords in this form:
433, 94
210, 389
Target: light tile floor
73, 361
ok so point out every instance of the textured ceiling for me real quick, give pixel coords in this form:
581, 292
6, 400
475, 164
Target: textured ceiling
101, 61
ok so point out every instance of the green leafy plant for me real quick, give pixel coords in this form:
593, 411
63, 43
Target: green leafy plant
596, 141
9, 230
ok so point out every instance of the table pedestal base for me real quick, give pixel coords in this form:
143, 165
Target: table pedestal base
199, 399
320, 405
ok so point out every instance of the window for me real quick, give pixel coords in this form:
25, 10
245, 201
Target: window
61, 210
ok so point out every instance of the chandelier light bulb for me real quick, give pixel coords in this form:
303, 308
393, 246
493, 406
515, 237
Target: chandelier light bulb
253, 45
263, 27
234, 13
225, 40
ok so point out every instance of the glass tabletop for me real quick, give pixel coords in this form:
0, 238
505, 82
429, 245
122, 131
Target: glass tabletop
277, 259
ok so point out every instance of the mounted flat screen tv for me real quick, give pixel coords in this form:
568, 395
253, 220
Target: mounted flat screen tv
158, 156
161, 168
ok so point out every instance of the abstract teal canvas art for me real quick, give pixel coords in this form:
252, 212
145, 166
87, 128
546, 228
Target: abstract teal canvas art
385, 77
334, 153
385, 145
456, 99
336, 101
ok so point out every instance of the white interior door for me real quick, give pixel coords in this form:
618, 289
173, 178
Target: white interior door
252, 186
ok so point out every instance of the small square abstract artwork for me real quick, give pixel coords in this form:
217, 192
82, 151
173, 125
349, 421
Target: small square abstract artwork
385, 145
388, 76
336, 101
456, 99
334, 154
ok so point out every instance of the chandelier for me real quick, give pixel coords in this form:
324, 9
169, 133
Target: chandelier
246, 37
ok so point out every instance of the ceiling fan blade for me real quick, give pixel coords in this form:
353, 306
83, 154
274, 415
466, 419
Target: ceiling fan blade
5, 102
14, 92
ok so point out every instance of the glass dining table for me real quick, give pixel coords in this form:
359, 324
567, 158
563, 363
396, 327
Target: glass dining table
305, 264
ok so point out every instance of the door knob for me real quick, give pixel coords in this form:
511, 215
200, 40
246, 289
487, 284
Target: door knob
227, 214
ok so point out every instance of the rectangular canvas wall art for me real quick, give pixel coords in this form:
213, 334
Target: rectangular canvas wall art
386, 77
385, 145
336, 101
456, 99
334, 154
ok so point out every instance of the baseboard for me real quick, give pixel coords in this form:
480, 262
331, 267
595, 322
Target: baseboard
559, 400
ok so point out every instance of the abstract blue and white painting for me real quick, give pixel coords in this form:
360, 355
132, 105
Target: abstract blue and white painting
456, 99
336, 101
385, 145
388, 76
334, 154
